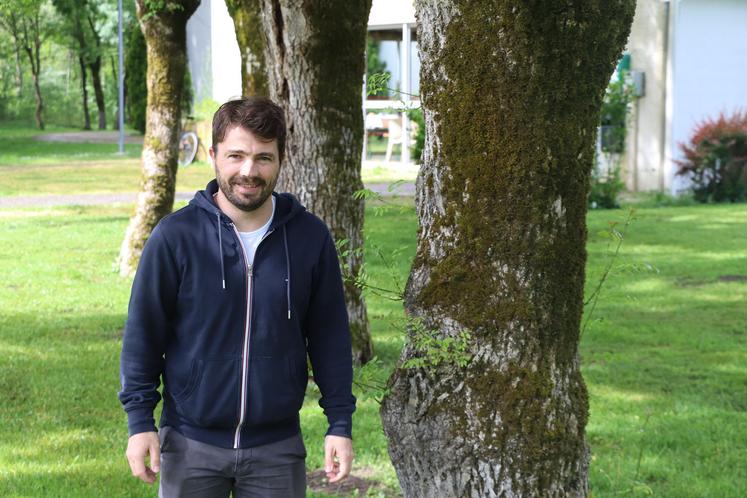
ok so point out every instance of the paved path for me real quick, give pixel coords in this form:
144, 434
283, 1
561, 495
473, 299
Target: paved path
90, 136
130, 197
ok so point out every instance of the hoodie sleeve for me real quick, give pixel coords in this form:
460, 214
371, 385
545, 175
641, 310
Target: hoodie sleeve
329, 343
151, 309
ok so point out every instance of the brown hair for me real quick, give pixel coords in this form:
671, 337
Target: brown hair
259, 115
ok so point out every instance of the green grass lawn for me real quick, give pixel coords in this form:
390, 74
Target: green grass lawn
665, 356
32, 167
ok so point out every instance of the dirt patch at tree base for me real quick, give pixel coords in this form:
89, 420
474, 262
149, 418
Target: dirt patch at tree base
317, 481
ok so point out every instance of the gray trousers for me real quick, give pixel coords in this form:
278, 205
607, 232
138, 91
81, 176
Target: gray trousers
191, 468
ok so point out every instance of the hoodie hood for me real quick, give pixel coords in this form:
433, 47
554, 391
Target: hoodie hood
287, 207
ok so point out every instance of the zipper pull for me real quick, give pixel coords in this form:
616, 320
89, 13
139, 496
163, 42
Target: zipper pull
249, 270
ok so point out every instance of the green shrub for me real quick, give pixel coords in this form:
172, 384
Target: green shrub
614, 114
715, 159
374, 65
416, 116
613, 120
605, 188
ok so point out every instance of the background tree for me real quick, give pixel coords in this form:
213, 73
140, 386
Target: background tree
93, 19
317, 49
136, 90
27, 21
164, 26
511, 93
72, 12
247, 23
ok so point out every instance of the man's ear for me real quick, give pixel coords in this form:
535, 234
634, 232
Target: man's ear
211, 153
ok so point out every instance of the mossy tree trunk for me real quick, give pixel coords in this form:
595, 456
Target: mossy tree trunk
317, 50
166, 40
511, 92
247, 22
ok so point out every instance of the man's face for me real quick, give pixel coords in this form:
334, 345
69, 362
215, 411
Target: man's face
246, 167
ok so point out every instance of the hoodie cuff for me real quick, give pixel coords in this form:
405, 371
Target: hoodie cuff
340, 425
140, 420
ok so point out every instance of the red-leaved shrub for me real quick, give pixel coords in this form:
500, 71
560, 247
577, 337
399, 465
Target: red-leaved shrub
715, 159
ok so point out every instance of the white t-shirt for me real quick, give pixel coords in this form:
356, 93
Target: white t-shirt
252, 239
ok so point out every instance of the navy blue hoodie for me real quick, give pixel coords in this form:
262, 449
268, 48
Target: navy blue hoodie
230, 341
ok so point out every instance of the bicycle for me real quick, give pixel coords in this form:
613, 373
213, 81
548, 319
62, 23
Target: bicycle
188, 143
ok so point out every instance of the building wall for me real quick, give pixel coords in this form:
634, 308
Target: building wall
644, 164
213, 53
226, 54
391, 13
709, 67
199, 52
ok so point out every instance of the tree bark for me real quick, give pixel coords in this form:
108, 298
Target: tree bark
511, 94
165, 36
98, 90
95, 65
19, 68
83, 86
317, 49
33, 47
247, 22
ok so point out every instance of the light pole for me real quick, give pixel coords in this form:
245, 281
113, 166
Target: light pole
120, 50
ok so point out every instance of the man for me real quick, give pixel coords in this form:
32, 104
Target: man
231, 293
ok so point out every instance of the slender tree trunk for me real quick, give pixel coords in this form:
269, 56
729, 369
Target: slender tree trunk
317, 49
115, 72
95, 65
83, 86
165, 36
511, 93
29, 37
19, 68
247, 22
98, 90
33, 52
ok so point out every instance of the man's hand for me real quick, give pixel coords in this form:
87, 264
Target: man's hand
138, 447
338, 457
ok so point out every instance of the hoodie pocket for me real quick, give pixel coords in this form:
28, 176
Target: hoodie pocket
275, 390
210, 397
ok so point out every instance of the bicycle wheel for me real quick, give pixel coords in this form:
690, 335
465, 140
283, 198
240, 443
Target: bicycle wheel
187, 148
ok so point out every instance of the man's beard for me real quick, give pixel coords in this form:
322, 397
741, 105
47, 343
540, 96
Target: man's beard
241, 201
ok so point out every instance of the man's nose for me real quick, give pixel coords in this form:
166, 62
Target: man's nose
248, 167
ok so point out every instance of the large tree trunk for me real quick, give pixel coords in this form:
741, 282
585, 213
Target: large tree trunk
317, 49
247, 22
165, 36
84, 88
511, 92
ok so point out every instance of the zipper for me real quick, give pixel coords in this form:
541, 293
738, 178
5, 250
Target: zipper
247, 333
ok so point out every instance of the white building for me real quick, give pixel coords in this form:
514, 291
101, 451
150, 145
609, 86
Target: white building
693, 55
